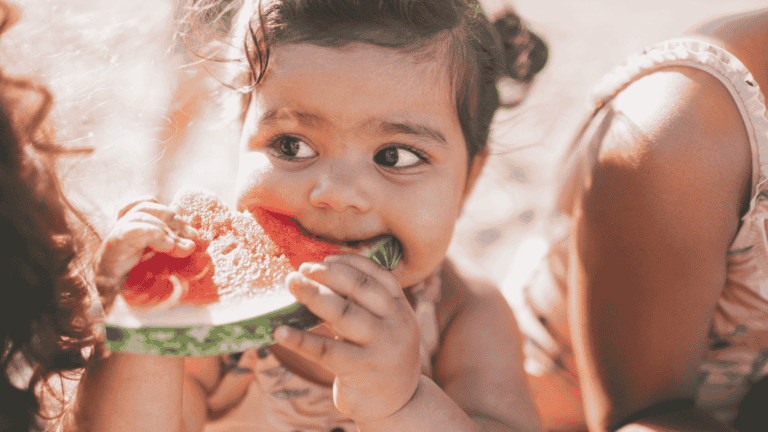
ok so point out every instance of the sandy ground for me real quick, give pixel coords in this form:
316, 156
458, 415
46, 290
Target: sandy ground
112, 69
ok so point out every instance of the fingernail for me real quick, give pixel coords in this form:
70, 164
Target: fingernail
185, 243
309, 267
331, 258
281, 334
190, 232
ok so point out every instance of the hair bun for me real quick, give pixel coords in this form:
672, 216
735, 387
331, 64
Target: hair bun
526, 52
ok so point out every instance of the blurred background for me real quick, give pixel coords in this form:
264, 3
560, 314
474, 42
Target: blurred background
114, 68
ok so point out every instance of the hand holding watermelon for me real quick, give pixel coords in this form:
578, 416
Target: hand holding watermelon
145, 227
196, 278
375, 356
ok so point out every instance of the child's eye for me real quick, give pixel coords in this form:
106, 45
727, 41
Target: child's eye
289, 147
399, 157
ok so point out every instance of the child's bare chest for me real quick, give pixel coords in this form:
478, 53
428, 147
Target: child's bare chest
280, 400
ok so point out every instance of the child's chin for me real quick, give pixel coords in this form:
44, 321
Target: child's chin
407, 276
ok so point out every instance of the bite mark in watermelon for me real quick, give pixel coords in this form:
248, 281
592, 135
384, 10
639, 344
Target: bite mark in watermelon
236, 254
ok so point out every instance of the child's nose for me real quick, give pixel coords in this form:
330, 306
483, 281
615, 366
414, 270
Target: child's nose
341, 188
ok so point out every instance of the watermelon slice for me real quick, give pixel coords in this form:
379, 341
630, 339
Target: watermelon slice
229, 295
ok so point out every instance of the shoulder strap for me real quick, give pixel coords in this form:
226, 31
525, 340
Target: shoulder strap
582, 157
721, 64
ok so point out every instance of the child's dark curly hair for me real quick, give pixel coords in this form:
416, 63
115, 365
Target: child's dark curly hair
45, 326
481, 54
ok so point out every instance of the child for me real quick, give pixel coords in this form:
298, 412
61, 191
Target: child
364, 118
657, 297
45, 327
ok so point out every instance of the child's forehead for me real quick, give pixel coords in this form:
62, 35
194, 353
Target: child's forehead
361, 87
392, 61
356, 70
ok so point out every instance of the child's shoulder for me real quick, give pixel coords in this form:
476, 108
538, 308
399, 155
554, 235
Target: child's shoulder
480, 349
465, 293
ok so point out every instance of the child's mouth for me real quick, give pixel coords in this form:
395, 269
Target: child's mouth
385, 249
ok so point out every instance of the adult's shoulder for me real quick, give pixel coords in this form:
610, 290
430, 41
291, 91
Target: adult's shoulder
682, 115
651, 238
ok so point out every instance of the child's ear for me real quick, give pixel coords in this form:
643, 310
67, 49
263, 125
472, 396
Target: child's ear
475, 168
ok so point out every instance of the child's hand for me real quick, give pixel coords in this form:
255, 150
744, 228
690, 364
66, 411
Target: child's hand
144, 227
375, 355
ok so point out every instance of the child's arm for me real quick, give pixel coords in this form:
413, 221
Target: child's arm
130, 392
376, 359
479, 382
649, 251
479, 363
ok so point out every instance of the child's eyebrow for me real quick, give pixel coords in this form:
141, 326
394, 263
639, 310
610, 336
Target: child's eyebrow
409, 128
377, 126
281, 113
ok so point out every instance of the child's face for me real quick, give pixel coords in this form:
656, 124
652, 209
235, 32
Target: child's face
357, 142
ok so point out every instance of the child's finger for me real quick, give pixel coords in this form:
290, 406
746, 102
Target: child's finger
369, 267
168, 217
134, 239
147, 255
334, 355
124, 248
138, 232
133, 202
141, 234
345, 317
349, 282
133, 220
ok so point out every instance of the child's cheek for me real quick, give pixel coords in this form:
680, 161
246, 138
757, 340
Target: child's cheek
426, 240
252, 180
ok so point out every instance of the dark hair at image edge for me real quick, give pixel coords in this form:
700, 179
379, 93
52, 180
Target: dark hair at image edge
479, 52
44, 302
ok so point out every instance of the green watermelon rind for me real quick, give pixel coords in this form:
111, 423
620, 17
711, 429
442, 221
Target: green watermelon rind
387, 253
215, 339
206, 340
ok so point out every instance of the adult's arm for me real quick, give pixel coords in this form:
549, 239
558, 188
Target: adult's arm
648, 257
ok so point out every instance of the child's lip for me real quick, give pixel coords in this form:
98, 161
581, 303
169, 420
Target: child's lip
347, 246
359, 247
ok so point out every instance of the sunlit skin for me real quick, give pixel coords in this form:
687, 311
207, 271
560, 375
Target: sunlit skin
350, 106
650, 244
315, 146
353, 143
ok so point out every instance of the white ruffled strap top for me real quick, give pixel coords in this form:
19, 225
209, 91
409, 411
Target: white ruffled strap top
737, 354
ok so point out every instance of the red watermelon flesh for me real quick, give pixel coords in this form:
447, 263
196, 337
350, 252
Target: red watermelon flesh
291, 239
238, 255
